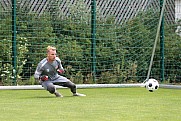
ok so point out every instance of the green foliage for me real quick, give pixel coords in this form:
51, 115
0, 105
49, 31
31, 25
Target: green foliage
173, 56
123, 51
38, 31
5, 53
6, 46
6, 74
6, 71
29, 81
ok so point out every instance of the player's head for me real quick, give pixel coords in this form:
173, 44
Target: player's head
51, 53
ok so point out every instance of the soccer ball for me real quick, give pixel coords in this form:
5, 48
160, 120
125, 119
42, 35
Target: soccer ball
152, 85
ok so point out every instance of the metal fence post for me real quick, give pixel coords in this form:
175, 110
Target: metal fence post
162, 44
14, 51
93, 38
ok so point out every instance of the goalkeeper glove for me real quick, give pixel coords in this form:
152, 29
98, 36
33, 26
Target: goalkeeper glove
60, 71
44, 78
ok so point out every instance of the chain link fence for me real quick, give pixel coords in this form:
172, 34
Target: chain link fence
124, 36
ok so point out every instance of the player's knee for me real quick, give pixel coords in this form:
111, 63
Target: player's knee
71, 85
51, 89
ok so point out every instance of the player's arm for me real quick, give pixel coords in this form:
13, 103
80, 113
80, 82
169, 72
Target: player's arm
38, 75
60, 69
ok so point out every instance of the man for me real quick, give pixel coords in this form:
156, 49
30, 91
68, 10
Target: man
49, 71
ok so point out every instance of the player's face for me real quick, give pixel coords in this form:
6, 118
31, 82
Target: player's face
51, 55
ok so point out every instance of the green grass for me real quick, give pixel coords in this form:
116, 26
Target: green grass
101, 104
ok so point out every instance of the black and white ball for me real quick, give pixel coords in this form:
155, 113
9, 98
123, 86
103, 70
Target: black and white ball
152, 85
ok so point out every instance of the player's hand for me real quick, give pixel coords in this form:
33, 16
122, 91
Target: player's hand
60, 71
44, 78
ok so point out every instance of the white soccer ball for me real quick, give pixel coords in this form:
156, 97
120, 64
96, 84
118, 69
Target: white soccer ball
152, 85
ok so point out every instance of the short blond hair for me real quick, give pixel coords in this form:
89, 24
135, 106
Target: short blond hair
50, 48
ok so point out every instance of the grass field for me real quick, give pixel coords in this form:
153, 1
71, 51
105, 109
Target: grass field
100, 104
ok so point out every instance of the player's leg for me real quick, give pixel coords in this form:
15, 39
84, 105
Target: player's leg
70, 85
62, 81
73, 88
49, 86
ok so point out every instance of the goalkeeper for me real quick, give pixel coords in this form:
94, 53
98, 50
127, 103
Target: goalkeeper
49, 71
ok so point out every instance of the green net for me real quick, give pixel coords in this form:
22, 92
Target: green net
125, 34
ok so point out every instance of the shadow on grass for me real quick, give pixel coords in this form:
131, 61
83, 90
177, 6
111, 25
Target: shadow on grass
48, 97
